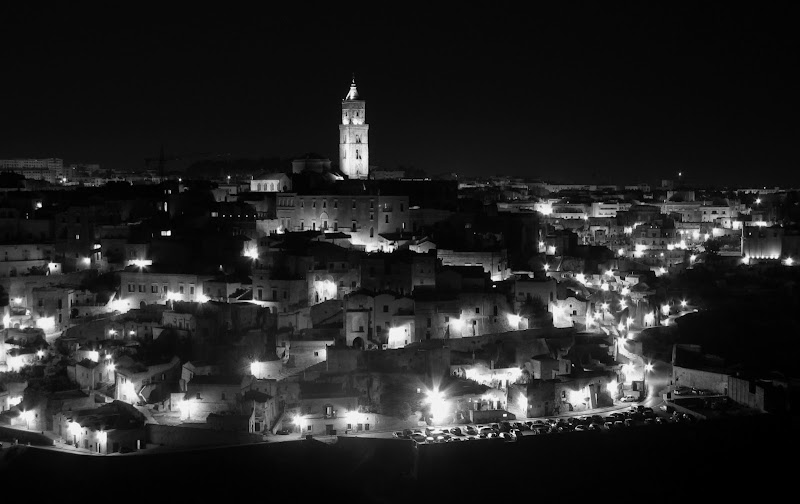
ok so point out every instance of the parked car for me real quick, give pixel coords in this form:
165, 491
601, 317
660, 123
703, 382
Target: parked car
661, 420
580, 428
407, 432
418, 438
649, 421
457, 431
595, 427
398, 434
618, 424
608, 425
283, 432
472, 431
628, 398
507, 436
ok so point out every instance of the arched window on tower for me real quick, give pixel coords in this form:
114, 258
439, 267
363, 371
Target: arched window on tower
358, 155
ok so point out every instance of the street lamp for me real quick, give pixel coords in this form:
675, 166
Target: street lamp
438, 404
298, 421
27, 415
683, 304
647, 369
546, 267
604, 307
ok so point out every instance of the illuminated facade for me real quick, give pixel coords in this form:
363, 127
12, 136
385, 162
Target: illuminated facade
364, 218
353, 136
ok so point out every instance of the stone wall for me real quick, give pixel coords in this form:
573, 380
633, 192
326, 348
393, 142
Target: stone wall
183, 437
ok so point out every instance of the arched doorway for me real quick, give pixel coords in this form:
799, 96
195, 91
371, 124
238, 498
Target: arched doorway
358, 343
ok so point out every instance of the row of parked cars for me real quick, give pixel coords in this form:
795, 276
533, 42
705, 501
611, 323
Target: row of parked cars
510, 431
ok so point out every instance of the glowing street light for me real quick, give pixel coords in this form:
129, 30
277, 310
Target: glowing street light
789, 261
299, 421
649, 318
546, 267
758, 201
514, 320
27, 415
683, 304
665, 310
251, 253
662, 270
620, 327
620, 252
647, 369
438, 404
625, 291
692, 258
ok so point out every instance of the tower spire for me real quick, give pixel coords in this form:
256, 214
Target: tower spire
353, 94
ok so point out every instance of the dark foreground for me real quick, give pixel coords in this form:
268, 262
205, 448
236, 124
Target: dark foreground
665, 463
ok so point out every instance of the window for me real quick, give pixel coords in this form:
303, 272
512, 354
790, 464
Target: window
387, 218
141, 287
354, 225
130, 288
358, 154
260, 294
180, 289
77, 237
372, 217
401, 207
324, 203
429, 322
354, 204
366, 426
313, 203
335, 203
154, 289
378, 329
495, 310
223, 396
477, 311
385, 308
371, 233
191, 290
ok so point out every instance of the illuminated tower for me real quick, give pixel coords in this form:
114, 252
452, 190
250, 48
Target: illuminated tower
353, 139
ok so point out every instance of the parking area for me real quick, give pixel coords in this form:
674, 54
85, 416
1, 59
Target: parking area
636, 416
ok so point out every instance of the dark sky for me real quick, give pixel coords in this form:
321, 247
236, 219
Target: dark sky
576, 93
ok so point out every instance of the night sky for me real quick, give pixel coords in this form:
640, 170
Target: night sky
593, 94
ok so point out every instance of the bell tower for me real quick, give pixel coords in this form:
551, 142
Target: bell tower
353, 139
